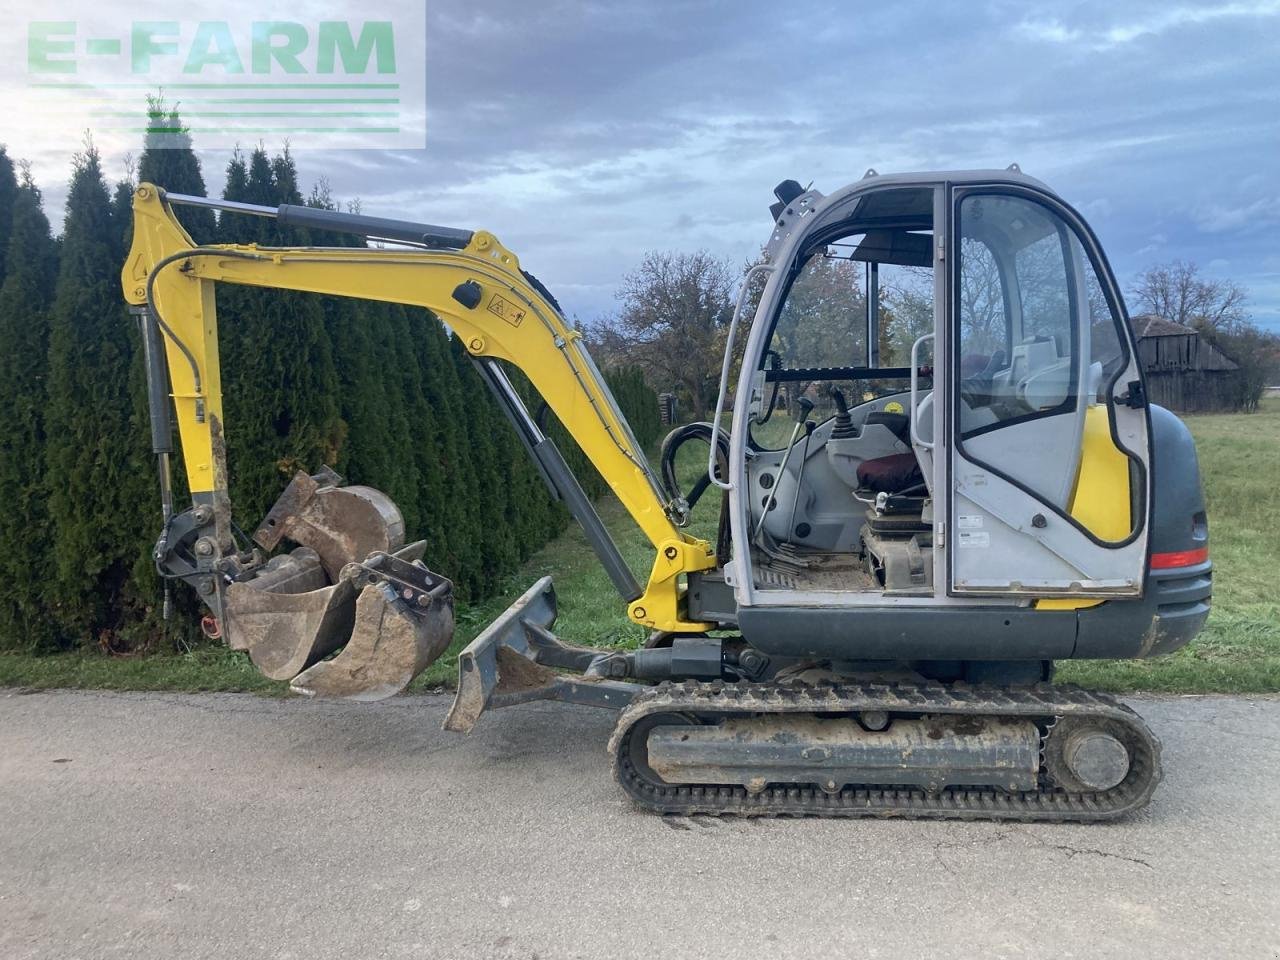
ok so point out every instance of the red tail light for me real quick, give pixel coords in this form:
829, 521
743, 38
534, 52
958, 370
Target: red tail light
1179, 558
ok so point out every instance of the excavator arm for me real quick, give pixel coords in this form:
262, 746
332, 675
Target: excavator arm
471, 283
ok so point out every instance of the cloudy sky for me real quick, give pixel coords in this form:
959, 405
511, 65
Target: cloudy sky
586, 134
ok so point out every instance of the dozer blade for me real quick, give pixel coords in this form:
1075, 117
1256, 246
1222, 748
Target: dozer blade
403, 623
514, 660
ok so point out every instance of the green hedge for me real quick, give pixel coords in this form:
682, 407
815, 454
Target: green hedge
378, 391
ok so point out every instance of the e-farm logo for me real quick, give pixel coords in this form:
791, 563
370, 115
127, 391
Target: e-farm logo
276, 44
329, 83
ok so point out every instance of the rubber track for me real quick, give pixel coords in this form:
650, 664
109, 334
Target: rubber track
1043, 703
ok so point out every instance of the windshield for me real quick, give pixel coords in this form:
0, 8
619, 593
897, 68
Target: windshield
848, 321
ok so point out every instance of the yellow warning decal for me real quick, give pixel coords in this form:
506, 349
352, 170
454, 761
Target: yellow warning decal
893, 406
507, 310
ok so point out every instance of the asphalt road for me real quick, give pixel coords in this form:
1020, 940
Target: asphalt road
178, 826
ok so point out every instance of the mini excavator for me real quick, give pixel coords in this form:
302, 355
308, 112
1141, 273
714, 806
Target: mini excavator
941, 475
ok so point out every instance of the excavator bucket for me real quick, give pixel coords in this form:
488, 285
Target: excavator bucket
341, 524
350, 586
289, 616
403, 622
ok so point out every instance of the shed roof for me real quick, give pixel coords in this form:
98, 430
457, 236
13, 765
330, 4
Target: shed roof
1152, 325
1206, 356
1211, 358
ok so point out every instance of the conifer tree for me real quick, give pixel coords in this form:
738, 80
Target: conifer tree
8, 199
638, 402
455, 519
169, 162
494, 538
423, 509
25, 298
279, 382
372, 392
394, 375
97, 476
122, 215
530, 511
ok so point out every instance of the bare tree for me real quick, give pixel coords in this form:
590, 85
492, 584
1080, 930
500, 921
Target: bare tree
1177, 292
981, 299
674, 310
906, 312
1216, 308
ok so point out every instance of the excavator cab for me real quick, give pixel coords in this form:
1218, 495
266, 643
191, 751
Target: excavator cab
941, 407
941, 475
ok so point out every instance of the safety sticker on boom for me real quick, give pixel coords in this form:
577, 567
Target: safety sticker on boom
507, 310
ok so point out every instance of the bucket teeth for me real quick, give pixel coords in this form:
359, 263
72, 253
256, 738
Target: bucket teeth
350, 582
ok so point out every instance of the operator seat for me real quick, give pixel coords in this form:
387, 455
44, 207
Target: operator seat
894, 474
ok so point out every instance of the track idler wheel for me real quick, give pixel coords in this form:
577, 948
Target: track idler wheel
1087, 755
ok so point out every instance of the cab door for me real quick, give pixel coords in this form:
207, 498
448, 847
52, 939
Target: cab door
1049, 459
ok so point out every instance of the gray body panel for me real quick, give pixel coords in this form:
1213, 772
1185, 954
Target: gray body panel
1172, 610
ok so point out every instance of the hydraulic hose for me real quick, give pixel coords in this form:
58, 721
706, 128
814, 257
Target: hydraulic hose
155, 313
671, 445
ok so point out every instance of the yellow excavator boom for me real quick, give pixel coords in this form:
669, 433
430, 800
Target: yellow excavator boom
469, 280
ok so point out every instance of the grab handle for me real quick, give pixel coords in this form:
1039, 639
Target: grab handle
915, 392
724, 374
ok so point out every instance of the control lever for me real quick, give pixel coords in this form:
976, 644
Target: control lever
809, 427
805, 406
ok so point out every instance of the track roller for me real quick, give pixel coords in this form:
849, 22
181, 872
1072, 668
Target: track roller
885, 750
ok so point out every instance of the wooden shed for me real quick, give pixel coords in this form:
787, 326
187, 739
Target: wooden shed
1184, 371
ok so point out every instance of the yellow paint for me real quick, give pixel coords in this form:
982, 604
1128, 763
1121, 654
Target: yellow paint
674, 558
1101, 498
513, 323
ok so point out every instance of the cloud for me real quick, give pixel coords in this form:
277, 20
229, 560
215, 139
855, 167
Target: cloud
1102, 37
1173, 17
584, 134
1051, 31
1156, 242
1096, 209
1260, 214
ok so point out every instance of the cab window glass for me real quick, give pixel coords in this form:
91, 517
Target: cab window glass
823, 326
823, 320
1016, 311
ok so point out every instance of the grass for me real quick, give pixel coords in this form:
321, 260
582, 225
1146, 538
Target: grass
1238, 652
204, 669
1239, 649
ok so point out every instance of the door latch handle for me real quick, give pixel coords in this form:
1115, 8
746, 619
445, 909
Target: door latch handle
1135, 397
